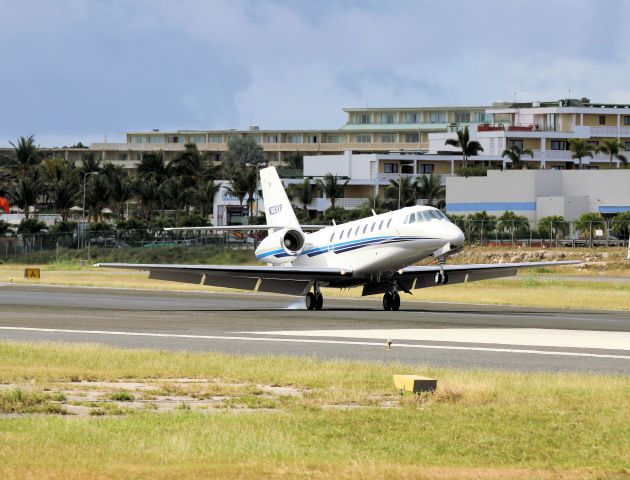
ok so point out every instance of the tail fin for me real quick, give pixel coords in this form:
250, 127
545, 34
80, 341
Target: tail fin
278, 209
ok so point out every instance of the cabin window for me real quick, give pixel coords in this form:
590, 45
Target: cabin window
373, 225
380, 225
412, 218
406, 220
389, 222
434, 214
365, 228
356, 232
341, 235
332, 237
425, 215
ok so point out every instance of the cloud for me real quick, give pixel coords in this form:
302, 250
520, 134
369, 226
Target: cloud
75, 67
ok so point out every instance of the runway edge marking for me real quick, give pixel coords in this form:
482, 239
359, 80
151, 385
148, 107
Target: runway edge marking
326, 342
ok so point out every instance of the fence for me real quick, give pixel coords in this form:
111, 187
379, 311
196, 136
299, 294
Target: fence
486, 232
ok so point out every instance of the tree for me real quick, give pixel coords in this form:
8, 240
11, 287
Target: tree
515, 154
332, 187
295, 160
620, 224
64, 193
25, 155
26, 191
589, 221
612, 147
407, 194
468, 147
97, 194
149, 192
153, 171
480, 225
242, 151
120, 187
191, 164
552, 226
91, 164
178, 194
30, 226
205, 196
580, 149
303, 193
515, 224
431, 189
5, 228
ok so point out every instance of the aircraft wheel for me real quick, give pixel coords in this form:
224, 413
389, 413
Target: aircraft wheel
388, 301
319, 301
310, 301
445, 278
395, 301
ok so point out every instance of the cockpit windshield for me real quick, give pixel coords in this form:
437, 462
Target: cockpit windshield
425, 216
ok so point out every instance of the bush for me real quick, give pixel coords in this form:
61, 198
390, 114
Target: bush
31, 226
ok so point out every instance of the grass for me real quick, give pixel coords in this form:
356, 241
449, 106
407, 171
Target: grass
17, 400
479, 424
528, 291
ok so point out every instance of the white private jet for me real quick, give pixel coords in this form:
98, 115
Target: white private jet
377, 253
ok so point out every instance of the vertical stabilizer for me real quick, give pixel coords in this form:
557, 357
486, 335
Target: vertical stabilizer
278, 209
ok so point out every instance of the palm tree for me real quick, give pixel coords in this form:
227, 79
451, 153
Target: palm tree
589, 221
120, 185
64, 194
97, 194
178, 194
295, 161
191, 163
332, 187
242, 151
153, 170
149, 192
405, 196
552, 226
580, 149
303, 192
91, 164
430, 188
469, 147
510, 222
612, 147
205, 196
26, 191
515, 154
26, 154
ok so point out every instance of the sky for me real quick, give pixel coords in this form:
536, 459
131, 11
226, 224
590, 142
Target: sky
90, 70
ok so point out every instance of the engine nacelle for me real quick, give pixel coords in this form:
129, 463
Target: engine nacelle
281, 246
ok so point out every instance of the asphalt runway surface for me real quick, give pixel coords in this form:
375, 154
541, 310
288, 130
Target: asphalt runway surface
452, 335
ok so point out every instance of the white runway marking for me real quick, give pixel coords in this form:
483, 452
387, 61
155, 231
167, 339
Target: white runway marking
379, 344
531, 337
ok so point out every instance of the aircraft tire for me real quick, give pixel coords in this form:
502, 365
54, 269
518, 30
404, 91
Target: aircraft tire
395, 301
387, 301
319, 301
310, 301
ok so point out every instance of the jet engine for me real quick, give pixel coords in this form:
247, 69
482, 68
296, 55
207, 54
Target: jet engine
289, 240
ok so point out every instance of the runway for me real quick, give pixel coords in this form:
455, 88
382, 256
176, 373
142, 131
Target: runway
461, 336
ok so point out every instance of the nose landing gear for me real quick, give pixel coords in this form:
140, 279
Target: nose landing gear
391, 301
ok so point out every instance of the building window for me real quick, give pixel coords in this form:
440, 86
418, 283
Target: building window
412, 137
387, 118
311, 139
257, 138
427, 169
333, 138
388, 138
136, 139
390, 168
122, 157
437, 117
558, 145
602, 119
174, 139
593, 143
412, 117
272, 139
156, 139
479, 117
364, 118
197, 139
626, 119
516, 143
364, 138
627, 145
462, 117
215, 139
294, 138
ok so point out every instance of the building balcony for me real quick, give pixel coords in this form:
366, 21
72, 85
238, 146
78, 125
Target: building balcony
609, 132
322, 204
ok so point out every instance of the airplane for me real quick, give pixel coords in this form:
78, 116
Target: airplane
377, 253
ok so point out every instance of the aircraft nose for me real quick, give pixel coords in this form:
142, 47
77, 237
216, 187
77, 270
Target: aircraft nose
456, 236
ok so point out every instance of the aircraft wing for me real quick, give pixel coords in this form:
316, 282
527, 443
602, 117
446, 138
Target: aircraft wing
424, 276
287, 280
240, 228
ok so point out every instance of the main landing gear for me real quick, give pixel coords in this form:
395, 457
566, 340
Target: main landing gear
391, 301
314, 301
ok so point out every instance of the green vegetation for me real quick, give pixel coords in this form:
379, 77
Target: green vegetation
580, 149
122, 396
468, 147
515, 154
349, 421
613, 147
18, 400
